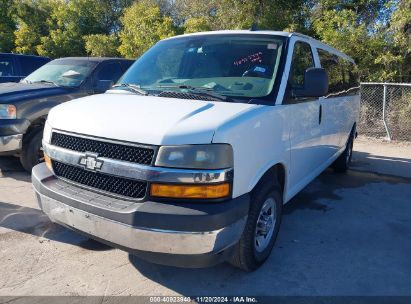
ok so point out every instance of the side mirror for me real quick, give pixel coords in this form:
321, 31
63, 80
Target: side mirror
315, 83
102, 85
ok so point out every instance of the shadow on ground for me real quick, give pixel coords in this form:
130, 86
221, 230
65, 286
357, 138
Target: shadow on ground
35, 222
344, 234
335, 239
382, 164
11, 167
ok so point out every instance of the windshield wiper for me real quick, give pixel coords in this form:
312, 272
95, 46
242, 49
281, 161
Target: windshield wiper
204, 91
133, 87
45, 81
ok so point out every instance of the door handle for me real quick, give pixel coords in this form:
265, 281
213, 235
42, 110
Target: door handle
320, 114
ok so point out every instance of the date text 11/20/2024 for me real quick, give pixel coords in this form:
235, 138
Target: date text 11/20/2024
203, 299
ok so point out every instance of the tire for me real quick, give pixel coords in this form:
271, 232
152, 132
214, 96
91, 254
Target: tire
32, 153
342, 163
248, 255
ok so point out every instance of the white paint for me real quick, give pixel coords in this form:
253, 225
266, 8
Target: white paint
261, 136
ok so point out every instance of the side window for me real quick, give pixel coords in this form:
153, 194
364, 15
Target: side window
110, 71
354, 75
345, 66
335, 70
302, 60
6, 66
126, 64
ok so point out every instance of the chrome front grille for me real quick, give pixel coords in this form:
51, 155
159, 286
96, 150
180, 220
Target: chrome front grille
110, 184
132, 153
97, 165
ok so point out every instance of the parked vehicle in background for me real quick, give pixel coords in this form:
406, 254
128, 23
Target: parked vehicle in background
14, 67
24, 106
189, 159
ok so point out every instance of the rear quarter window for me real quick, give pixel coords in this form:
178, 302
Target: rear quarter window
6, 66
342, 74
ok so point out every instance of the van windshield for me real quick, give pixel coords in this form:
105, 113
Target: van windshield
231, 65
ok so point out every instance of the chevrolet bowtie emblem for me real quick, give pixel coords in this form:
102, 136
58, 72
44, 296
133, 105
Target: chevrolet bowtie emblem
90, 162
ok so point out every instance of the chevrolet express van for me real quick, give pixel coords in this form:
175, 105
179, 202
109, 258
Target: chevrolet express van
190, 157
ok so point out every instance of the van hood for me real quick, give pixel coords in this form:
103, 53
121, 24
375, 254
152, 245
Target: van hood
145, 119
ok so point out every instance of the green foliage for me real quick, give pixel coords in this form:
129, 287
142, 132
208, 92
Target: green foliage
7, 26
31, 18
101, 45
376, 33
142, 30
400, 32
266, 14
193, 9
358, 28
197, 24
56, 28
69, 22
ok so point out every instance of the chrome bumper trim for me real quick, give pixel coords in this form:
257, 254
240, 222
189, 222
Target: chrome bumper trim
140, 238
10, 142
140, 172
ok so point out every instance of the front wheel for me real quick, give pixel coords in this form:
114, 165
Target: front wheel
261, 229
32, 152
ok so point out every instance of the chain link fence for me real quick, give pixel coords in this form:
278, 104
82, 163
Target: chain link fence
386, 110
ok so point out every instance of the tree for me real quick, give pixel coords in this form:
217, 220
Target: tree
7, 26
400, 32
266, 14
199, 24
72, 20
142, 30
183, 10
101, 45
68, 22
376, 33
110, 12
31, 24
355, 27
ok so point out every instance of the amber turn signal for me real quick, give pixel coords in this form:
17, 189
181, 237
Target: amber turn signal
47, 160
190, 191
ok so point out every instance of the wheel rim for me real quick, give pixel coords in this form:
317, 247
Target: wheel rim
265, 225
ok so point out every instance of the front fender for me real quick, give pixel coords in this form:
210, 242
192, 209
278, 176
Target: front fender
260, 139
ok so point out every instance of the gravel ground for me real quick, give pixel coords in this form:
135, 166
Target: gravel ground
342, 235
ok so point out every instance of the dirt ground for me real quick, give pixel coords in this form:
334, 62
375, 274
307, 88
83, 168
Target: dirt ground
342, 235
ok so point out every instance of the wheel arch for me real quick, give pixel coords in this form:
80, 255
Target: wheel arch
276, 175
33, 127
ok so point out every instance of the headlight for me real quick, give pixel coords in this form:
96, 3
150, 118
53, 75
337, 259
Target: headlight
212, 156
47, 133
8, 111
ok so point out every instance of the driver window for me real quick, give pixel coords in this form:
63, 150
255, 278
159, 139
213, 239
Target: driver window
111, 71
302, 60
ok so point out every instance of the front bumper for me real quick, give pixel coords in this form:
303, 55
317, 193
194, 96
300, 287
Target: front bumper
11, 135
10, 143
183, 234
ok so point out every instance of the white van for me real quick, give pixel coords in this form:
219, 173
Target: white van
189, 158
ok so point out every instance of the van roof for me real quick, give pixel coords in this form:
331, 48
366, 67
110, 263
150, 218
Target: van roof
266, 32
